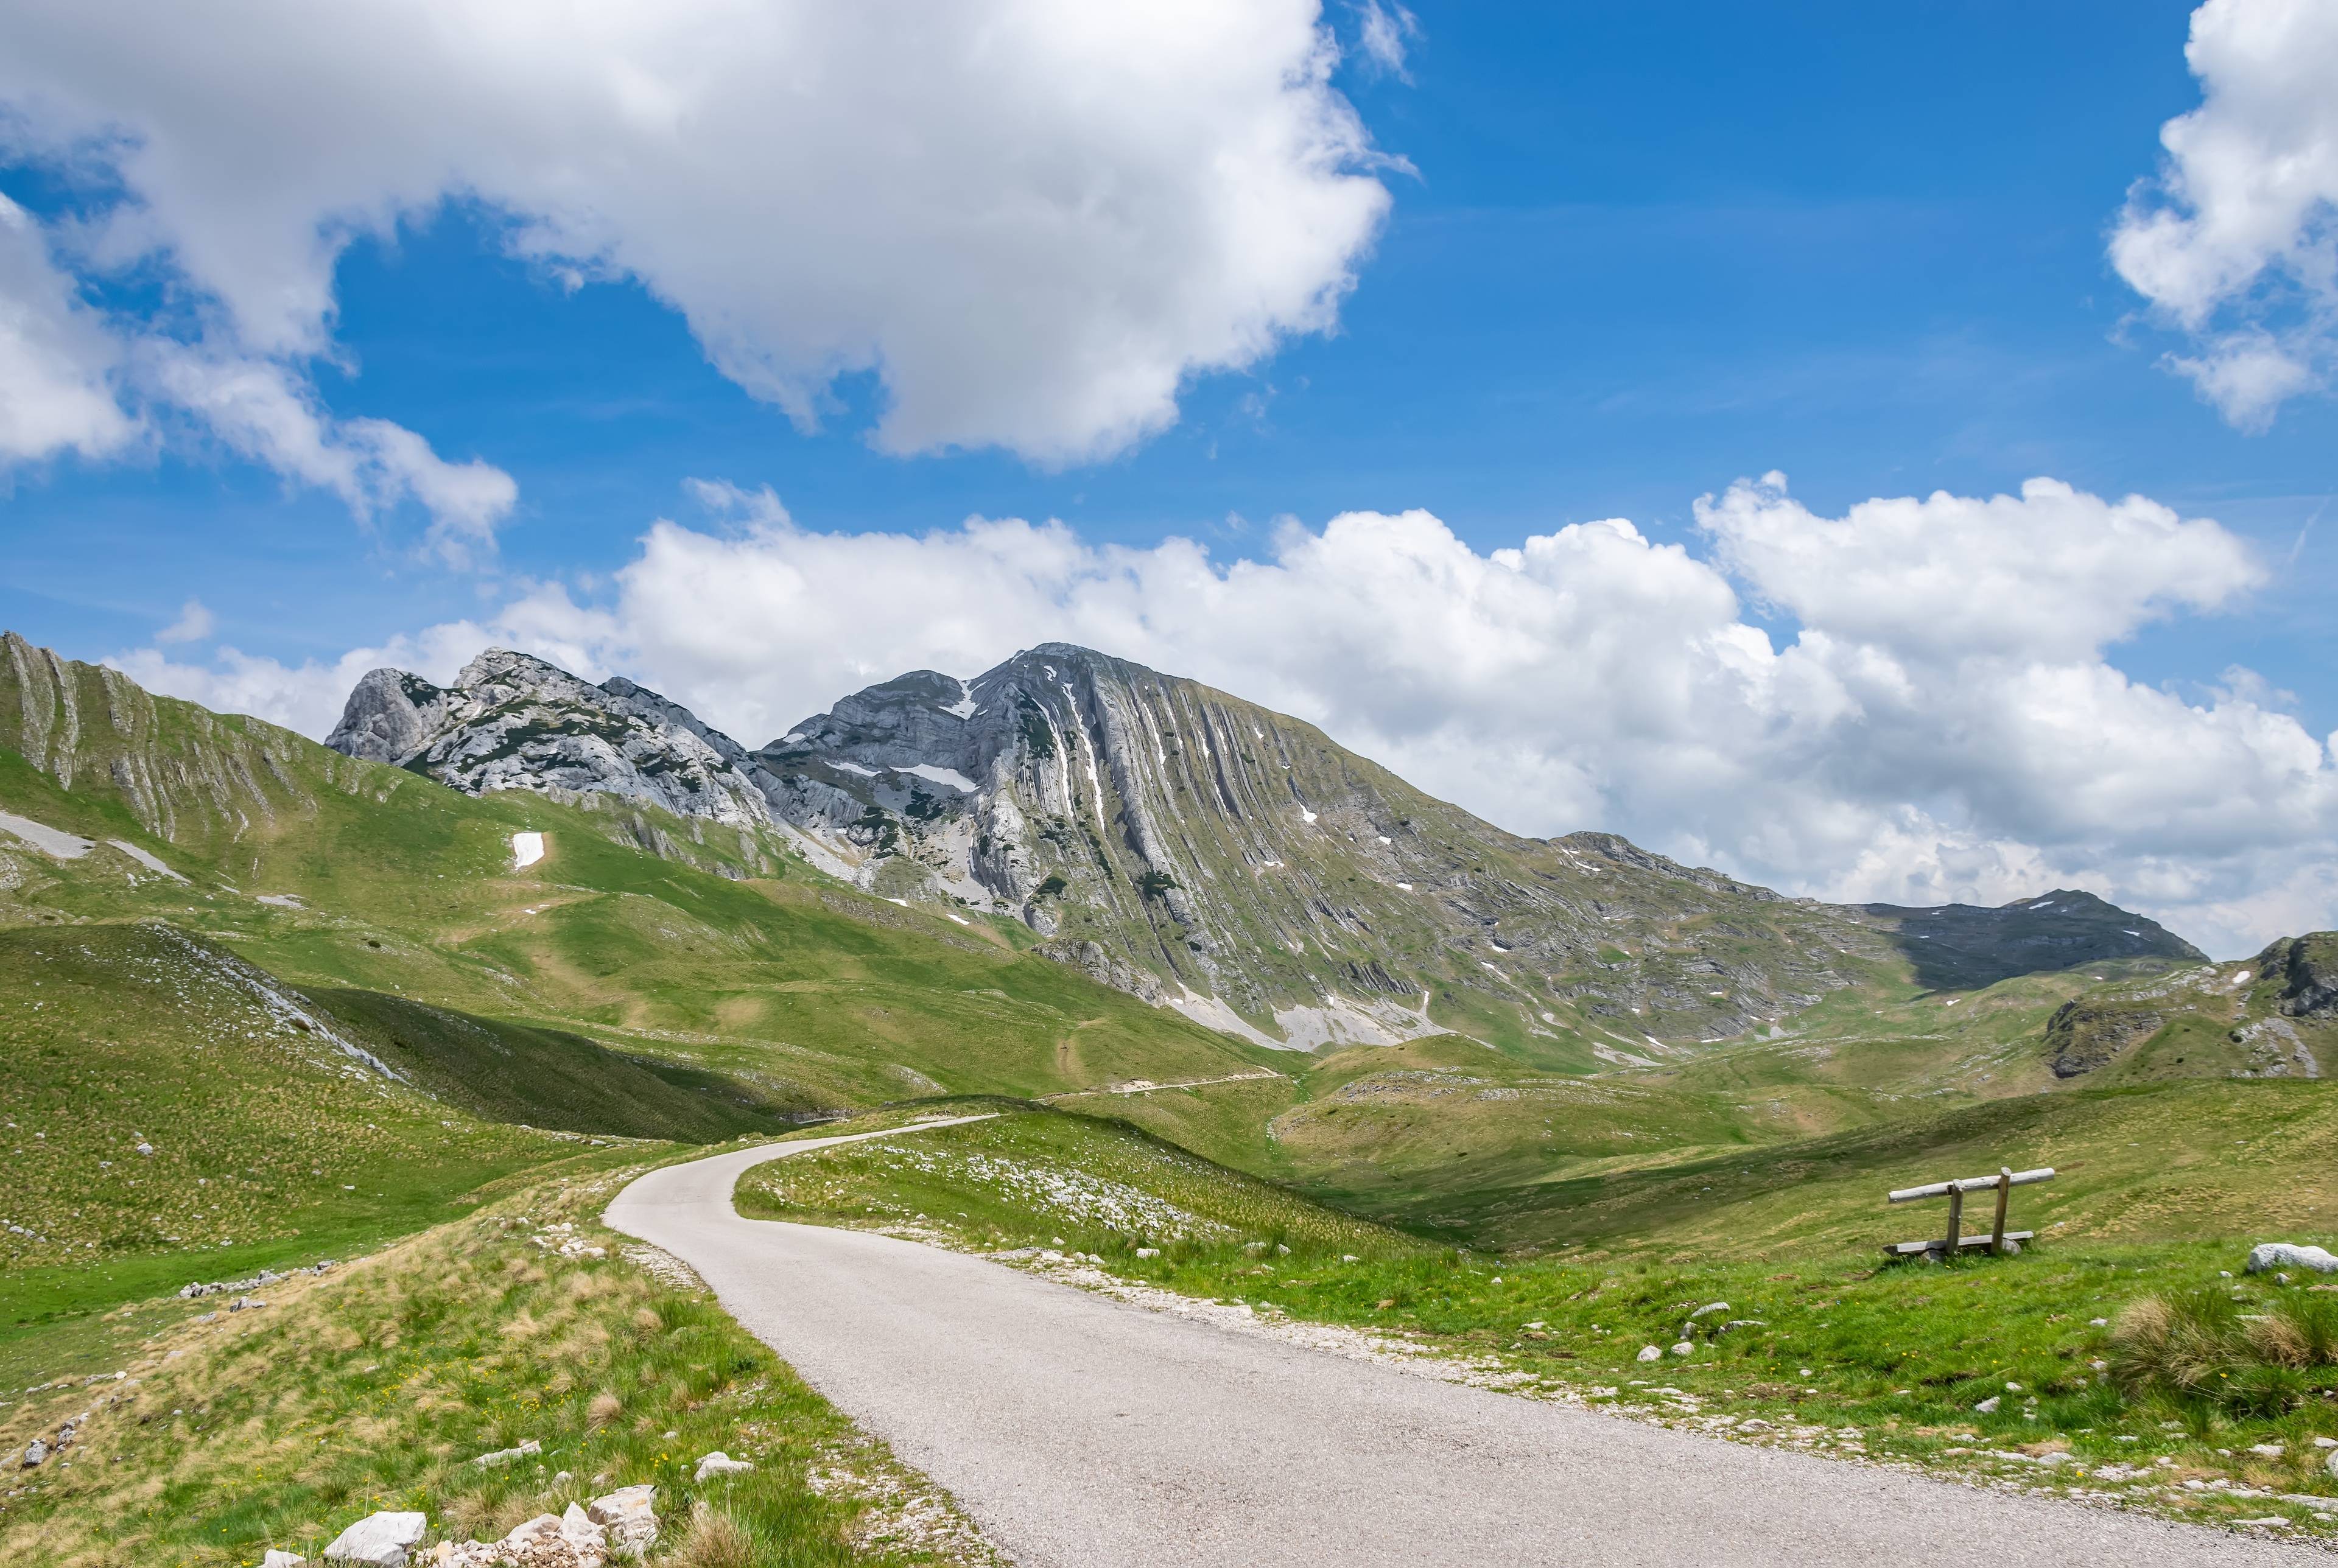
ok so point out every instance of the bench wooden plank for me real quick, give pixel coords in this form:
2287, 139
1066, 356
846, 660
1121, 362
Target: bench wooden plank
1909, 1249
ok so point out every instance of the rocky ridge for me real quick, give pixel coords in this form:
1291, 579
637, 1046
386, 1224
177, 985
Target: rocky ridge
1214, 855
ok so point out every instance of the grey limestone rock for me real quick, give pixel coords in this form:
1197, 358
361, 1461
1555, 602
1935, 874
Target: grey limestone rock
378, 1540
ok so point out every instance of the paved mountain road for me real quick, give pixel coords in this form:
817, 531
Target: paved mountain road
1081, 1432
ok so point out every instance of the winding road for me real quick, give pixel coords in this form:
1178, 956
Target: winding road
1080, 1432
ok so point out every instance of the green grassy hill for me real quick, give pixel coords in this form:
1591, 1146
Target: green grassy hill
1033, 1176
339, 1004
375, 1386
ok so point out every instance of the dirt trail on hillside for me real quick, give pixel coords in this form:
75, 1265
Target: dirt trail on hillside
1082, 1432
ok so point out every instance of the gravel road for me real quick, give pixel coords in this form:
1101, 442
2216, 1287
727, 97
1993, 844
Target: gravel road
1085, 1433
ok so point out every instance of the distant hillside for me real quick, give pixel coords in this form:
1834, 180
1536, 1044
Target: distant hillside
1209, 854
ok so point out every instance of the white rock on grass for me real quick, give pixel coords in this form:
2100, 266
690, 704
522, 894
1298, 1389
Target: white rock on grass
628, 1517
1683, 1349
378, 1540
721, 1464
1707, 1311
1989, 1405
2287, 1255
505, 1455
35, 1452
2330, 1463
1650, 1353
278, 1557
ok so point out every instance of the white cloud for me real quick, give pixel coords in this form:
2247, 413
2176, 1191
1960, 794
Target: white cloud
2052, 571
1033, 219
56, 359
264, 411
2236, 240
1916, 748
72, 380
305, 697
1384, 33
195, 624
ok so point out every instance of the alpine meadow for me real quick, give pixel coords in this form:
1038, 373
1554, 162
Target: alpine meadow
805, 787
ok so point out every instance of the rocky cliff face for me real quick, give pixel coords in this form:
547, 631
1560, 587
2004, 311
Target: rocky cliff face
189, 776
2307, 968
512, 722
1201, 851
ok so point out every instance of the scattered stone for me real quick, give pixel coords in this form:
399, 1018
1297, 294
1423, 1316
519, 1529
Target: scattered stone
35, 1452
564, 1478
721, 1464
378, 1540
2280, 1254
1148, 1251
1650, 1353
258, 1282
2330, 1464
278, 1557
628, 1518
1708, 1309
1683, 1349
505, 1455
2268, 1450
1989, 1405
2098, 1322
245, 1304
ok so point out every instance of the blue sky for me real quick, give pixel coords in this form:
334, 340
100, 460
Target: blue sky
1630, 255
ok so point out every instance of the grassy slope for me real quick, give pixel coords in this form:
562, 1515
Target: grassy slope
832, 997
1032, 1176
1839, 1354
374, 1387
271, 1146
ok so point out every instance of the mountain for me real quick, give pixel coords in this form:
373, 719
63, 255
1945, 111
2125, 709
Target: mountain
1211, 855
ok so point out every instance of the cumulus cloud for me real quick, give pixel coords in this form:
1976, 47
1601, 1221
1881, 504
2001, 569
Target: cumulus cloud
1919, 748
2236, 240
72, 380
263, 411
195, 624
1032, 220
56, 358
2052, 571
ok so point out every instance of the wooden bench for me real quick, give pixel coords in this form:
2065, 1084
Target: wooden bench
1995, 1238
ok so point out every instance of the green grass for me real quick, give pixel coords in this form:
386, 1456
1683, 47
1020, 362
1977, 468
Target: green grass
269, 1144
1033, 1176
2158, 1163
1830, 1347
373, 1387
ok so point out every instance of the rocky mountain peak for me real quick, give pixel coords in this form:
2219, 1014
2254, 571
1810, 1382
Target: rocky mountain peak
513, 721
1202, 851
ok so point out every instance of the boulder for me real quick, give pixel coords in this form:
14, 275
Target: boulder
35, 1453
1683, 1349
721, 1464
2288, 1255
1650, 1353
378, 1540
628, 1518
